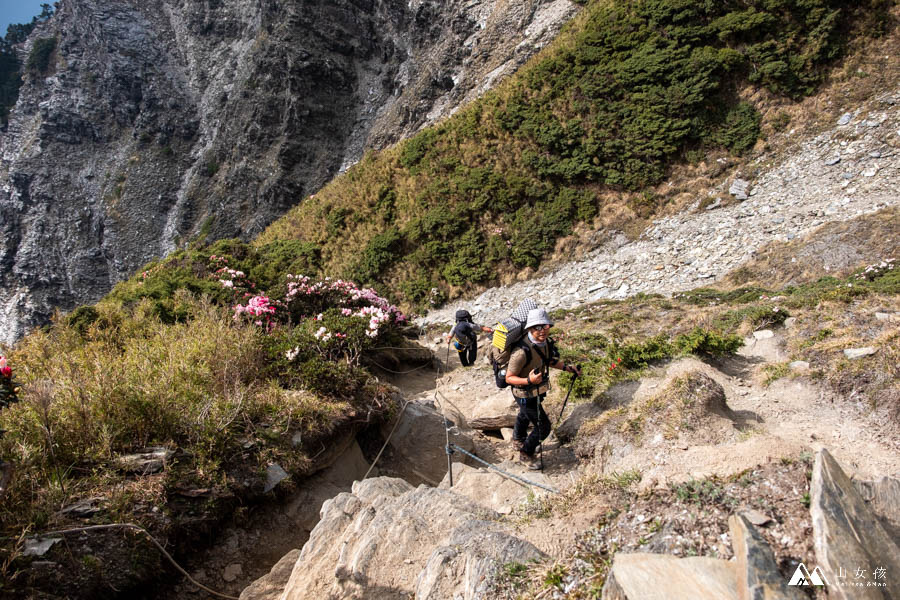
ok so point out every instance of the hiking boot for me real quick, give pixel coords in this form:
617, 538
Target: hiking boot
530, 461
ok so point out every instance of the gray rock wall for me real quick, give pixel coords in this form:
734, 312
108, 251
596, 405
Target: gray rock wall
159, 120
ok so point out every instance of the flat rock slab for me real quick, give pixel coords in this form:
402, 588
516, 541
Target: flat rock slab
149, 460
663, 577
848, 536
39, 546
275, 474
854, 353
492, 490
758, 577
756, 517
740, 188
87, 507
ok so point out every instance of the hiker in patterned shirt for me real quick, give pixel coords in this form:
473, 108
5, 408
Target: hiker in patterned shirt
464, 337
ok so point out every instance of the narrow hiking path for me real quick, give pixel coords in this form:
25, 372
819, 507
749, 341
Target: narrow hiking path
774, 423
849, 170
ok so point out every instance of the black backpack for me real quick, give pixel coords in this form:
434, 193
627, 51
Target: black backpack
463, 315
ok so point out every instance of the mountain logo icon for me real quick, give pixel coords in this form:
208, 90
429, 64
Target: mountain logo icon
802, 576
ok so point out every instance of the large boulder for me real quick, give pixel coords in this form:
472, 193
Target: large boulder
388, 540
304, 507
849, 536
758, 577
466, 564
418, 444
494, 411
663, 577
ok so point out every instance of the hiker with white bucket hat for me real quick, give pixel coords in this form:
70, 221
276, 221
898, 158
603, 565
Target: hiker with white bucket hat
528, 373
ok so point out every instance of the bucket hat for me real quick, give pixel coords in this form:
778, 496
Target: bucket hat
538, 316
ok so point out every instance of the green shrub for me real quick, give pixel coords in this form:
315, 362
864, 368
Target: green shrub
740, 130
378, 255
756, 316
276, 259
640, 354
336, 220
709, 343
81, 318
331, 379
415, 149
609, 361
468, 264
422, 292
39, 58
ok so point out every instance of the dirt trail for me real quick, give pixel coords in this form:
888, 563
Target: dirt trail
782, 420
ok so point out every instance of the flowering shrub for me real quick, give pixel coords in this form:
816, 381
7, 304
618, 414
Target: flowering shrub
337, 334
8, 390
339, 319
872, 272
229, 278
306, 297
259, 309
149, 272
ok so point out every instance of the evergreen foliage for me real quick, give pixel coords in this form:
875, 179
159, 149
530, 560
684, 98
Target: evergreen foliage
39, 58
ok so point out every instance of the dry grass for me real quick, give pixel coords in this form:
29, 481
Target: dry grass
199, 387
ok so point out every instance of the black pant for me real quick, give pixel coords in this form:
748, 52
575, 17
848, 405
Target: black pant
467, 355
531, 412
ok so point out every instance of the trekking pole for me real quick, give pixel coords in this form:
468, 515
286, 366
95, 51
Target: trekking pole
540, 433
571, 385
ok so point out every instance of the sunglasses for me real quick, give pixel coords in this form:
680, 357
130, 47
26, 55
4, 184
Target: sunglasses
541, 327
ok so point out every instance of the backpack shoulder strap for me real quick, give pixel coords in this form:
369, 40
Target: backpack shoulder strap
554, 351
521, 345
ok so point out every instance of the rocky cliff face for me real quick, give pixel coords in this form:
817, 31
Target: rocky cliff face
160, 120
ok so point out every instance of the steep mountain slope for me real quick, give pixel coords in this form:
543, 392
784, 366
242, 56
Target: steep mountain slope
148, 123
586, 137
